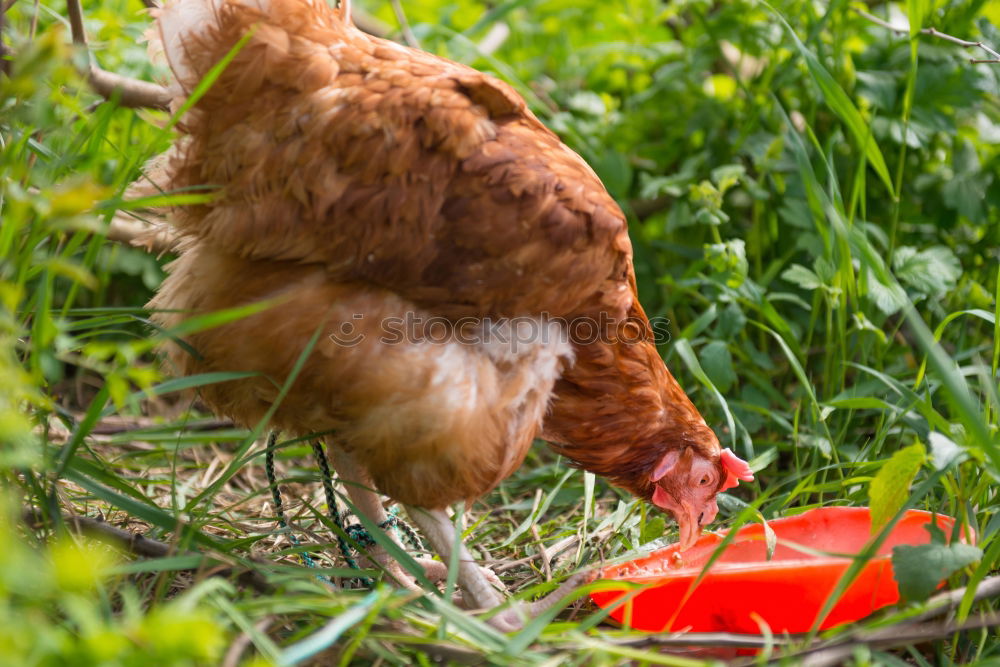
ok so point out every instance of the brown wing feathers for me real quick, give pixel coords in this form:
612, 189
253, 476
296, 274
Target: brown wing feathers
395, 167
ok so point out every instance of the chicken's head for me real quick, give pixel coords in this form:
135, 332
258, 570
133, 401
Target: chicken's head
685, 483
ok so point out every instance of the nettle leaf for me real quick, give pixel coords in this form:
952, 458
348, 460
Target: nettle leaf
801, 276
888, 299
920, 569
825, 269
933, 271
718, 363
891, 486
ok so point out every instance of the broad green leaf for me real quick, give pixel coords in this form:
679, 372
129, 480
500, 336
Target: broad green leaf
654, 529
919, 570
801, 276
818, 442
933, 271
887, 298
718, 364
891, 486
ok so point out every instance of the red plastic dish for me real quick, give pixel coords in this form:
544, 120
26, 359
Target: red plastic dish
743, 588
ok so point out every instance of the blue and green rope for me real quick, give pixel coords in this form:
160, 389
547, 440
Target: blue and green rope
355, 532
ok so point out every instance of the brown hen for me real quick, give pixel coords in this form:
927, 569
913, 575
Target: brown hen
462, 275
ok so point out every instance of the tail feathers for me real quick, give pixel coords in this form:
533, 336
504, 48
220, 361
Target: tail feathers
180, 24
186, 29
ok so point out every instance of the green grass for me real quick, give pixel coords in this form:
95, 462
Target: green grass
815, 208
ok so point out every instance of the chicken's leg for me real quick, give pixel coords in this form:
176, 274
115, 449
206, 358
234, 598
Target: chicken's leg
367, 502
477, 591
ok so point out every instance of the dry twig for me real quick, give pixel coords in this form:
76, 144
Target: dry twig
156, 238
547, 554
404, 25
934, 32
240, 644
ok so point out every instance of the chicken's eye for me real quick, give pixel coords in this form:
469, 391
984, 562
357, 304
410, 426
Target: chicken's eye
704, 480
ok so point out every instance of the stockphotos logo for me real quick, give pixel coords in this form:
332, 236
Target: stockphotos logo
515, 332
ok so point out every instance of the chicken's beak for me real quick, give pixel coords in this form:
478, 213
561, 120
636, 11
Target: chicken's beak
687, 516
689, 525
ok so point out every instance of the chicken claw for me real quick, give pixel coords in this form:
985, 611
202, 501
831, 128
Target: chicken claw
514, 617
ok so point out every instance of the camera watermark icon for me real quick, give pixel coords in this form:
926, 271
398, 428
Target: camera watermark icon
515, 332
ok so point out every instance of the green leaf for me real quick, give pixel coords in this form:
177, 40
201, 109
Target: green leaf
718, 363
916, 10
933, 271
654, 529
887, 298
920, 569
891, 486
615, 173
801, 276
966, 190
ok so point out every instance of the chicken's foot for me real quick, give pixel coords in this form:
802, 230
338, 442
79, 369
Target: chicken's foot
478, 591
367, 502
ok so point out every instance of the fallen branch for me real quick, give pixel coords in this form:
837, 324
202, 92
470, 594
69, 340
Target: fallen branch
240, 644
934, 32
404, 25
156, 238
129, 92
900, 635
545, 554
140, 545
